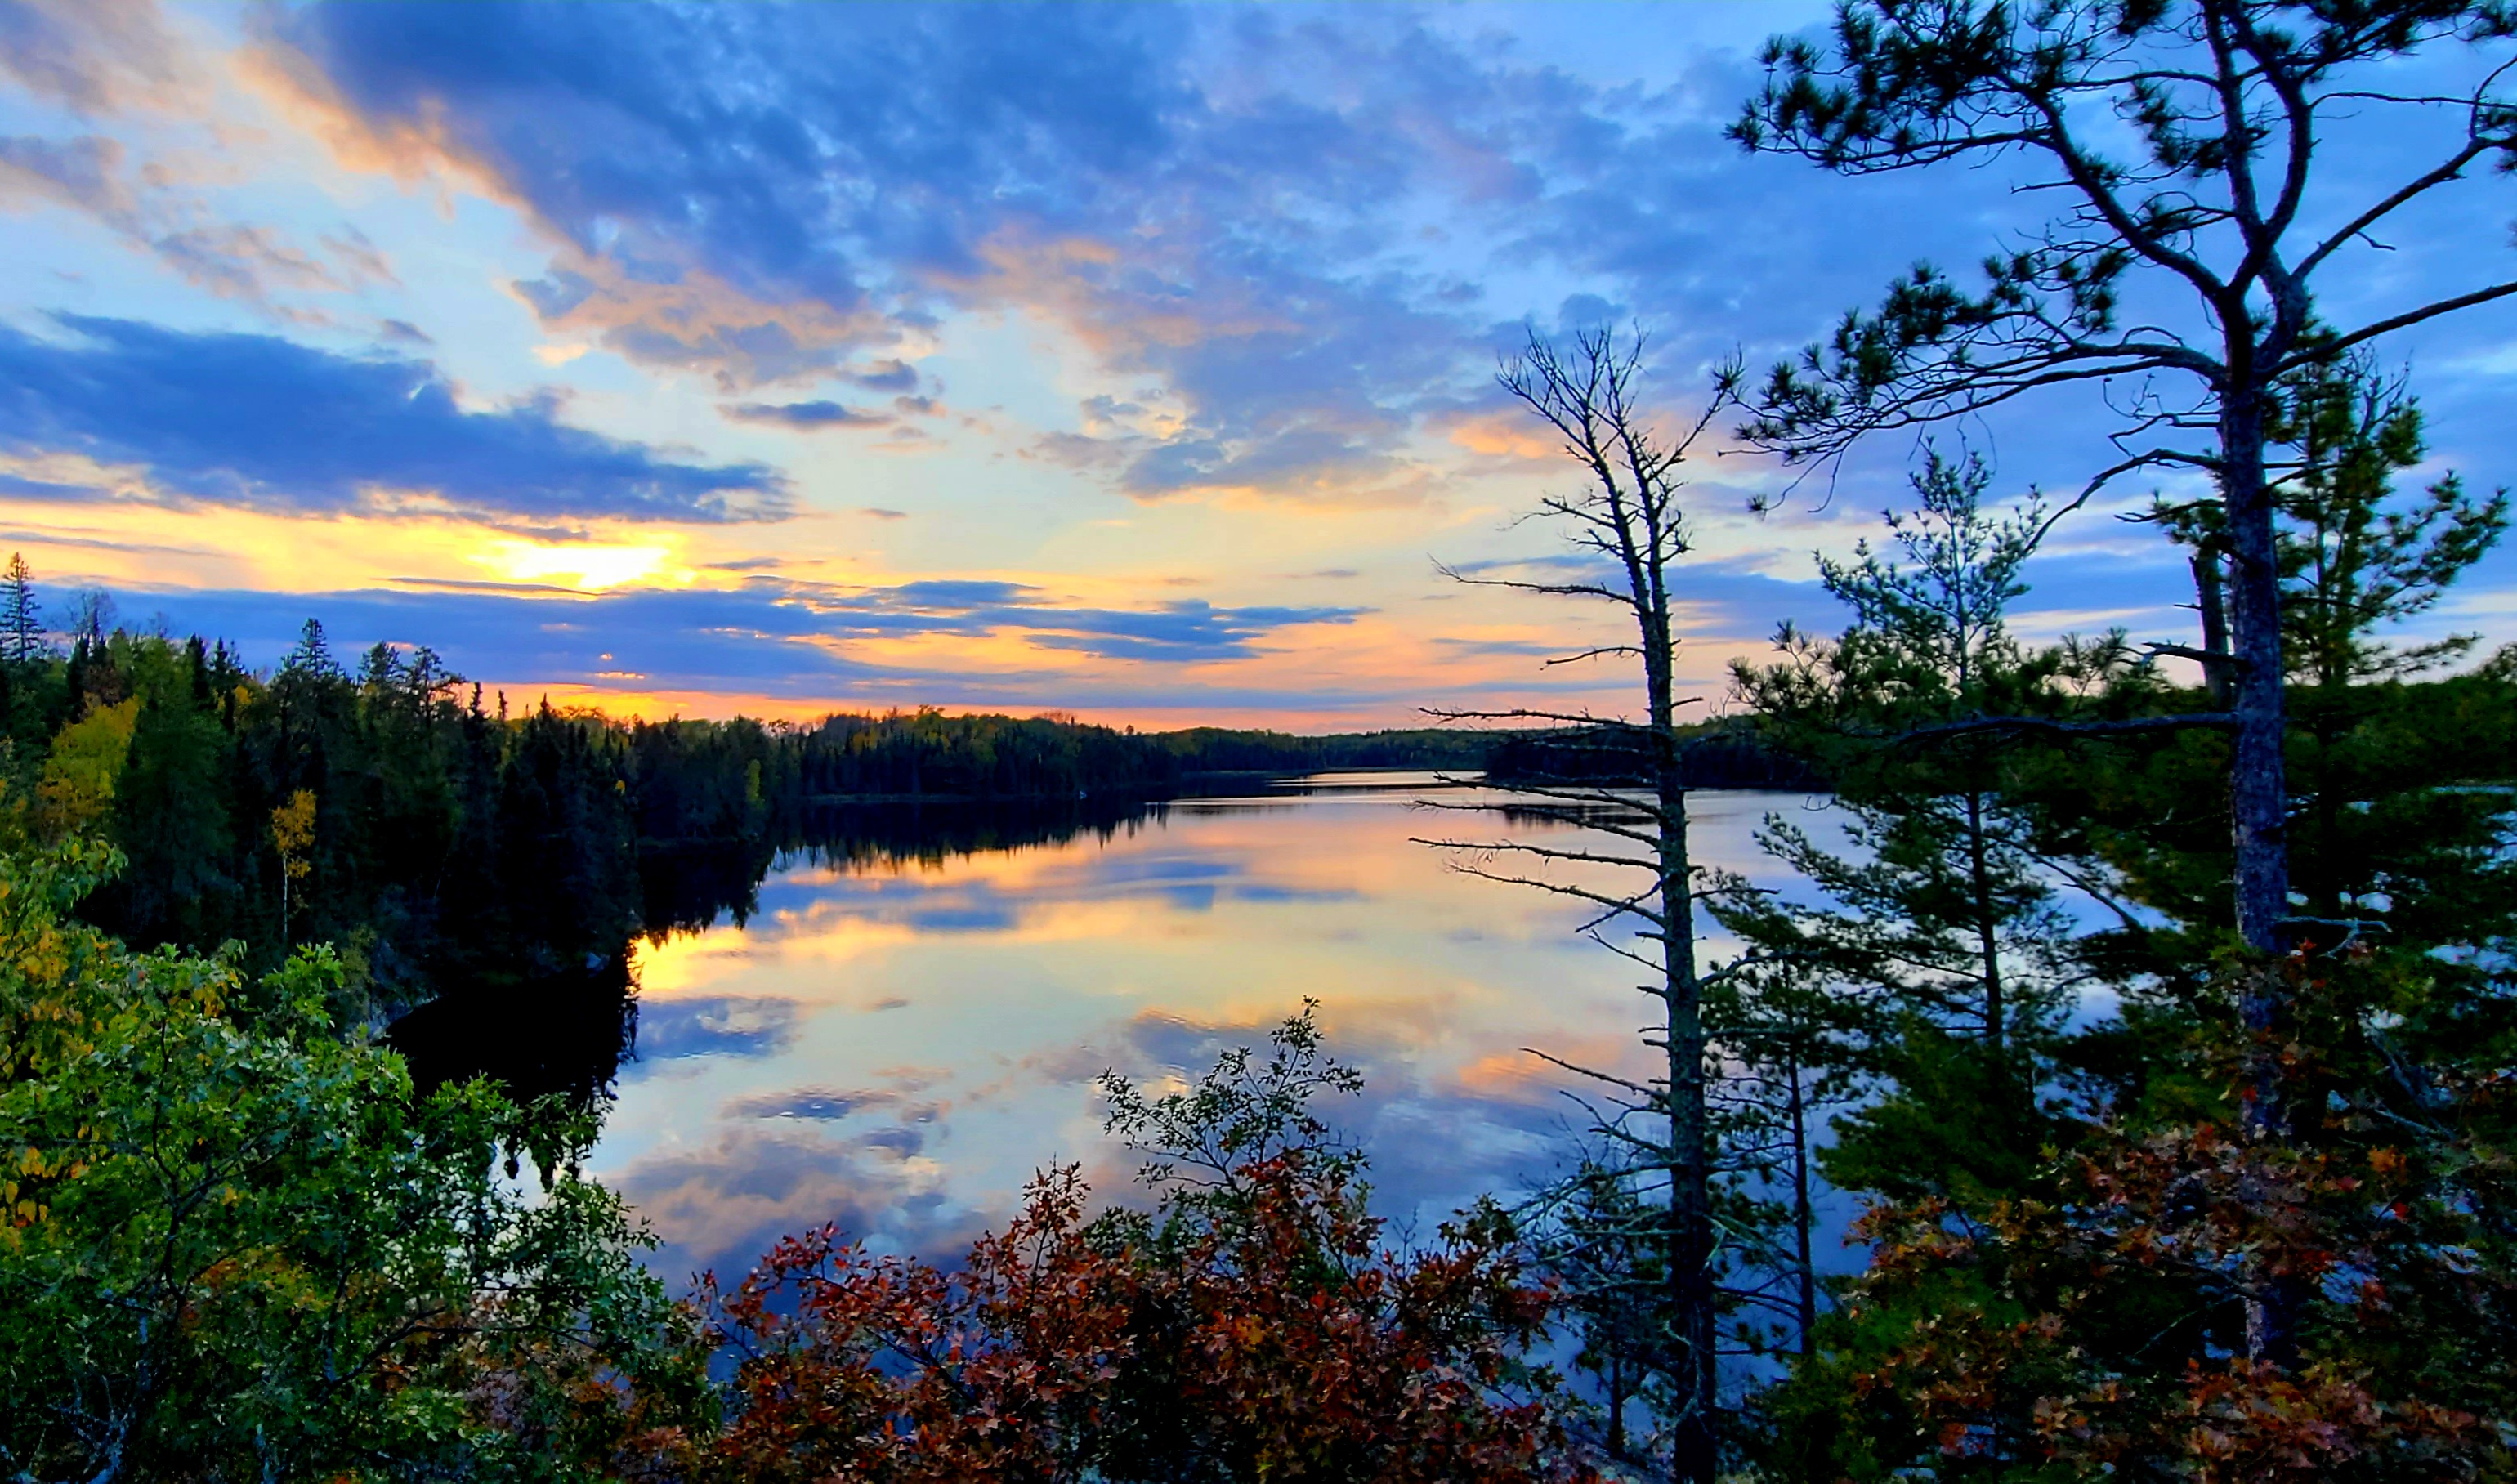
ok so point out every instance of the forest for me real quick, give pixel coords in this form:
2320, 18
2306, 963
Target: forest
2155, 1004
456, 856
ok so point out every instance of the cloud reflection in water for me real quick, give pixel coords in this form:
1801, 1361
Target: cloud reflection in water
1010, 979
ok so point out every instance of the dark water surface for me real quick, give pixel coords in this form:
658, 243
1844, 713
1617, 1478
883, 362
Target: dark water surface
908, 1024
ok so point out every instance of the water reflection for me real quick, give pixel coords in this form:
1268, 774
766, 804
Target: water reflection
562, 1032
900, 1025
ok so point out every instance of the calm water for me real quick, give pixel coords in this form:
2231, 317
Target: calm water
897, 1045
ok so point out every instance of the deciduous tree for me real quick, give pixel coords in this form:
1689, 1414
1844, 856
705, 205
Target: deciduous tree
1250, 1328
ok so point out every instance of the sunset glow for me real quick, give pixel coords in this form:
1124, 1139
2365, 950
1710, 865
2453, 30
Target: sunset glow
1108, 392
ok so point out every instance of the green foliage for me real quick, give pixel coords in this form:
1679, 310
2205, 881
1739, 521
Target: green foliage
2357, 560
1240, 1115
2070, 1231
2356, 557
238, 1244
22, 623
84, 769
1943, 914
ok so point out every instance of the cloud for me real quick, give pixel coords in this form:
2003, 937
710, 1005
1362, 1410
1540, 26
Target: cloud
1465, 1135
762, 217
693, 319
1187, 631
1185, 878
893, 375
1716, 599
723, 1204
233, 260
836, 177
266, 423
95, 57
82, 173
769, 635
827, 1104
831, 1104
1291, 229
722, 1026
804, 416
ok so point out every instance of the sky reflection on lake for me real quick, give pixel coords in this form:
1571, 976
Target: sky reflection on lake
897, 1048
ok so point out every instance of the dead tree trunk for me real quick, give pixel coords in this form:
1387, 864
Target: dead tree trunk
1630, 520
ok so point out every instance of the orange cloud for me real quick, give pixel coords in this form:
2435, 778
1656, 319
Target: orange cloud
1504, 434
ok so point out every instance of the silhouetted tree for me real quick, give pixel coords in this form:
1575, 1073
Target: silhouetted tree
1630, 521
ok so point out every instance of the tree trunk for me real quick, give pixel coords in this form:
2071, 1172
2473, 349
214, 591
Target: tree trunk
2258, 791
2213, 605
1988, 940
1695, 1446
2259, 807
1805, 1267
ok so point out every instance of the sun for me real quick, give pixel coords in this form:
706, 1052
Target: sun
591, 567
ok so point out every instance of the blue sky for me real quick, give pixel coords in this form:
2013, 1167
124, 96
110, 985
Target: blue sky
1129, 360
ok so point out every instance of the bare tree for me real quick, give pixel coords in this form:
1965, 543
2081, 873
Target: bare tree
1629, 519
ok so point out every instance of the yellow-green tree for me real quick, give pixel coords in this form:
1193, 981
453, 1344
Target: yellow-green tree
236, 1244
292, 835
79, 777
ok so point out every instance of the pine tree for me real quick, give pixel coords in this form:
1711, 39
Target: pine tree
1947, 908
312, 655
21, 624
2356, 556
2131, 1285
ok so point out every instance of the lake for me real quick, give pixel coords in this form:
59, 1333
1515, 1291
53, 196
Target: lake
897, 1038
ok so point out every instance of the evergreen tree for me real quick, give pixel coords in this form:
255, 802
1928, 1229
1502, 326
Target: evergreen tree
2358, 560
21, 624
2356, 556
312, 655
2209, 202
2125, 1286
1941, 929
1945, 908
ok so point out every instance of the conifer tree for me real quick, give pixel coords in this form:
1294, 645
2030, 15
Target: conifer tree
1946, 956
21, 624
2210, 193
2181, 141
2356, 557
312, 655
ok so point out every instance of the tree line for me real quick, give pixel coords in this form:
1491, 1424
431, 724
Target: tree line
442, 839
479, 864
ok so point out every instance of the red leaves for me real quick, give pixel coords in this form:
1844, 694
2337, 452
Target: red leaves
2104, 1326
1276, 1344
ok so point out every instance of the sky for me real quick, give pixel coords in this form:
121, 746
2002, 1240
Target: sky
1134, 362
